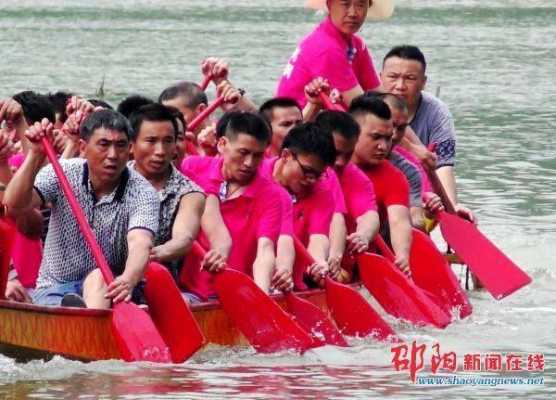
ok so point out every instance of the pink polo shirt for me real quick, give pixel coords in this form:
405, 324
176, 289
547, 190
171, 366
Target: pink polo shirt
330, 181
256, 213
326, 52
426, 185
359, 194
266, 168
312, 214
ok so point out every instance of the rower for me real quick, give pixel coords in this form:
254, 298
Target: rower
153, 143
132, 103
121, 205
391, 187
334, 51
306, 152
361, 218
404, 74
190, 99
423, 201
282, 114
240, 199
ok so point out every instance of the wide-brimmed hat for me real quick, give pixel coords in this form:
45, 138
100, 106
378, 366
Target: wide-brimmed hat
379, 10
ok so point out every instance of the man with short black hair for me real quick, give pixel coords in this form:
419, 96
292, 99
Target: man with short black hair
361, 217
239, 198
282, 114
120, 204
404, 74
182, 202
306, 152
391, 188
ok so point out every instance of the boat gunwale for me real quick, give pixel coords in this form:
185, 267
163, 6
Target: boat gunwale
92, 312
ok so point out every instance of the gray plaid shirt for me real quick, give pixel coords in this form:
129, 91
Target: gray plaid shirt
133, 204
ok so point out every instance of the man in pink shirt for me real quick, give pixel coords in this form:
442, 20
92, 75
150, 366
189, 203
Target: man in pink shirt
282, 114
239, 198
306, 152
334, 52
361, 217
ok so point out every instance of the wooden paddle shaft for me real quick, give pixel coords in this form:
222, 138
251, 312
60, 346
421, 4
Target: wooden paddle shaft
78, 213
205, 113
328, 103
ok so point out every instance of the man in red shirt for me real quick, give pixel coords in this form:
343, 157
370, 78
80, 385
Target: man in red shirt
391, 187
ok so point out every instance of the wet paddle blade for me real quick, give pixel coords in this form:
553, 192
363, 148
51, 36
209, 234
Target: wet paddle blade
171, 314
314, 320
499, 275
136, 335
397, 294
261, 320
431, 271
353, 314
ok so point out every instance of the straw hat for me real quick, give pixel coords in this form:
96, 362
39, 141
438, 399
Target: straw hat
379, 10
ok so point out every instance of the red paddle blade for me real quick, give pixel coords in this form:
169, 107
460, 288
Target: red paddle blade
314, 320
136, 335
431, 271
398, 295
500, 275
261, 320
353, 314
171, 315
7, 234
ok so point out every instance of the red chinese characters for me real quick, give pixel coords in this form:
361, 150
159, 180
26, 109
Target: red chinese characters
404, 360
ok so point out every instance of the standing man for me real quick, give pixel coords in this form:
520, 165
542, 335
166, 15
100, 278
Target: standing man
404, 74
120, 204
334, 51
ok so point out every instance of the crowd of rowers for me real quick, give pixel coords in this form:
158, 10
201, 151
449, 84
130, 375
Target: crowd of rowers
246, 187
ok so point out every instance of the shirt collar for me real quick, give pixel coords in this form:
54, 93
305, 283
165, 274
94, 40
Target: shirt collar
251, 189
117, 194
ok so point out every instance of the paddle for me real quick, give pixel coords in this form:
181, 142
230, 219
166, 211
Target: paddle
352, 313
314, 320
431, 272
396, 293
499, 275
136, 336
198, 120
7, 233
170, 313
328, 103
261, 320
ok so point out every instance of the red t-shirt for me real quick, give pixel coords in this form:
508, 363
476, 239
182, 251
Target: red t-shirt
391, 187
